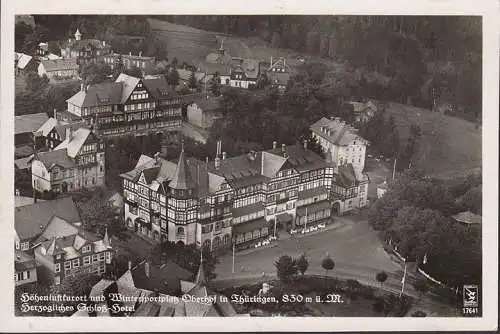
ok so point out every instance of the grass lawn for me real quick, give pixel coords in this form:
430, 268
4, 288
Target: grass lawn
449, 146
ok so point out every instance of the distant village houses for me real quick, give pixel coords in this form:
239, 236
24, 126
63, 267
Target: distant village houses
145, 64
84, 50
204, 111
58, 69
278, 74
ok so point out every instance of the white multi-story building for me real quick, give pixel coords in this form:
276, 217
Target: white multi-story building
346, 150
76, 163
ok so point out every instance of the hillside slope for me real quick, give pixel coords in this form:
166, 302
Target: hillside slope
449, 146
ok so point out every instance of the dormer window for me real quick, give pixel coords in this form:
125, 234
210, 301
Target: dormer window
86, 249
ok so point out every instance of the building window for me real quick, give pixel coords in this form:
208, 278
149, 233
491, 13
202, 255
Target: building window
25, 245
67, 265
86, 260
57, 267
76, 263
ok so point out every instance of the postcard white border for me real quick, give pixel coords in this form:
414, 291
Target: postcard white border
487, 9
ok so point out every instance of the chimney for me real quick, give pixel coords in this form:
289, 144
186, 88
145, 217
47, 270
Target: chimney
103, 43
41, 227
219, 148
157, 157
305, 144
140, 53
271, 61
146, 269
275, 143
55, 113
283, 148
130, 53
217, 162
224, 155
82, 86
129, 265
69, 133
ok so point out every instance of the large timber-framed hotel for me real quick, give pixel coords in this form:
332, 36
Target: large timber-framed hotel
238, 199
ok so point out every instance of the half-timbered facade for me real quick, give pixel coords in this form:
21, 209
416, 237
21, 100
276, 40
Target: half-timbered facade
69, 255
76, 163
238, 200
128, 105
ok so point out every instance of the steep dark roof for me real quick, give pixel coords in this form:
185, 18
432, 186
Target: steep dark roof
23, 261
29, 218
346, 176
56, 158
102, 94
336, 131
61, 128
160, 89
208, 104
165, 279
86, 43
150, 174
182, 178
59, 64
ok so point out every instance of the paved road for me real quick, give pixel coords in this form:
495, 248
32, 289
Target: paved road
353, 246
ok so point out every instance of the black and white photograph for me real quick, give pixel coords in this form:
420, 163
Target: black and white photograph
270, 166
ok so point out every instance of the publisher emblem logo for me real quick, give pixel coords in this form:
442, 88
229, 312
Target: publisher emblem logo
470, 296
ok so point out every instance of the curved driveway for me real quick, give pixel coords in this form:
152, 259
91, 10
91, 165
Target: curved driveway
354, 247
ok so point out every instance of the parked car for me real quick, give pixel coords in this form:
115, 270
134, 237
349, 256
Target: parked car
265, 242
272, 238
293, 231
370, 156
322, 225
257, 245
313, 228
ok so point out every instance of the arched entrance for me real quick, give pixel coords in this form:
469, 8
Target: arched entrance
206, 244
156, 235
336, 208
163, 238
64, 187
217, 243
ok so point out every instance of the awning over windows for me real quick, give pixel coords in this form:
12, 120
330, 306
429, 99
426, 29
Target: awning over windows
250, 226
313, 208
284, 217
142, 222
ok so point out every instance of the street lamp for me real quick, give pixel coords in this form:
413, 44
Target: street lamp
403, 281
275, 226
233, 255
